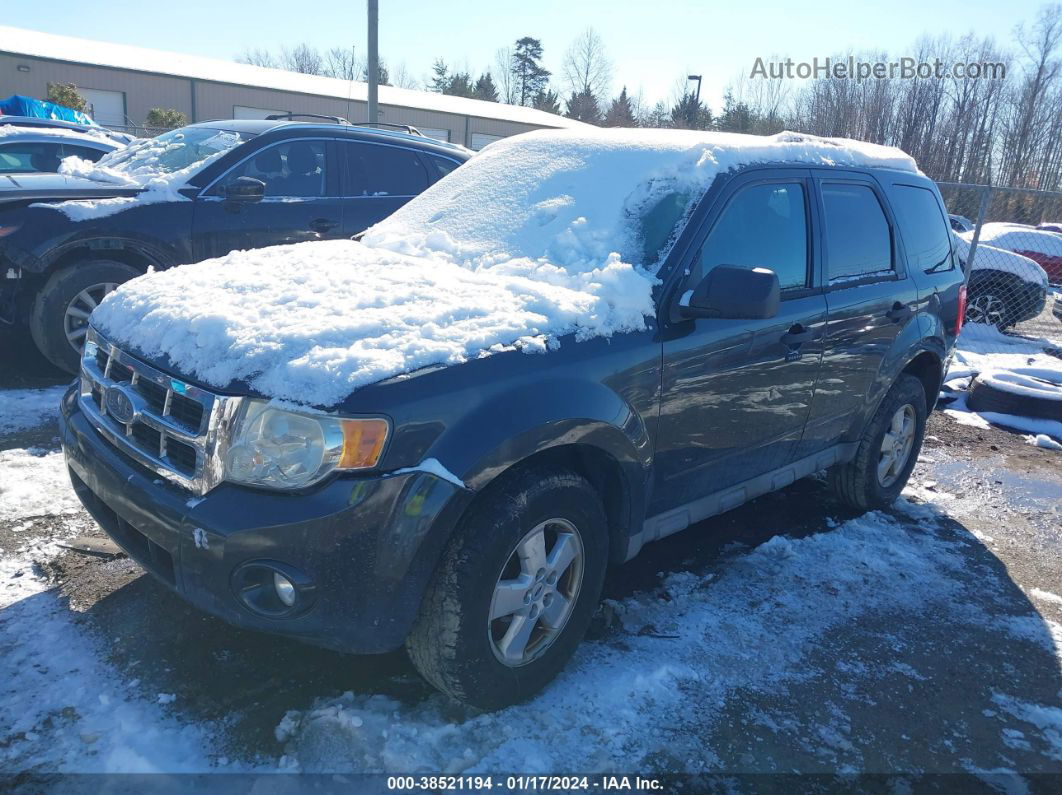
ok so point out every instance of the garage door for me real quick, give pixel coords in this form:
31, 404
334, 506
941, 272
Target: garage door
246, 112
479, 140
105, 107
438, 135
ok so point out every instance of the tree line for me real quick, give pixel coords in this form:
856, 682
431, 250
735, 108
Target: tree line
1004, 129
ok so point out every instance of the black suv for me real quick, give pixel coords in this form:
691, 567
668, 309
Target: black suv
189, 194
798, 316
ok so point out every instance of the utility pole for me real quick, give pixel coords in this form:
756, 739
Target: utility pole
698, 79
374, 60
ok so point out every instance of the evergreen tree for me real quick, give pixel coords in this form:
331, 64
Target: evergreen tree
736, 117
547, 101
66, 94
441, 81
460, 85
621, 113
485, 88
529, 77
165, 119
690, 114
583, 106
382, 76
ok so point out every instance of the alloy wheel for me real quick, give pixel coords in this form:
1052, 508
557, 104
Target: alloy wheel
986, 308
75, 319
896, 445
536, 592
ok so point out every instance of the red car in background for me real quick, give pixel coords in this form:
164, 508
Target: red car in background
1041, 245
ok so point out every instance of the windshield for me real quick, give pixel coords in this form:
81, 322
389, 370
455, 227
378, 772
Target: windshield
177, 150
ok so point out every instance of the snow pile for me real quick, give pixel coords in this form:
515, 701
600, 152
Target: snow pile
26, 408
536, 238
687, 647
34, 483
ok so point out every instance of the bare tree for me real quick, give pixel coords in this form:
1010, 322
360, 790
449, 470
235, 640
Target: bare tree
302, 58
587, 68
343, 62
401, 77
507, 90
258, 57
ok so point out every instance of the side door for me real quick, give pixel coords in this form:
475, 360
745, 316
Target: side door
871, 300
299, 200
377, 179
736, 393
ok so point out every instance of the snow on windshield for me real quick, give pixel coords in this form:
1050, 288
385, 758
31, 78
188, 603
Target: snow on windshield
171, 155
536, 238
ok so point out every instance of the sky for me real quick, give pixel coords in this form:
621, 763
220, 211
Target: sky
653, 46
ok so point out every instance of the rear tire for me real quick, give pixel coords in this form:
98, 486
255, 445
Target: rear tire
466, 639
860, 483
56, 323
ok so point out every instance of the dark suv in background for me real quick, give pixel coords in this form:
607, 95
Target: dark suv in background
197, 192
801, 318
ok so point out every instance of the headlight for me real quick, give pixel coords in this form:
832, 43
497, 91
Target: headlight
283, 449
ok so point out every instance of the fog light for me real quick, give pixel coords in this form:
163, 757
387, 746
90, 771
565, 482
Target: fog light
284, 588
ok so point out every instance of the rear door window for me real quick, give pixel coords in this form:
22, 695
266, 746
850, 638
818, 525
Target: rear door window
925, 230
378, 170
858, 236
84, 152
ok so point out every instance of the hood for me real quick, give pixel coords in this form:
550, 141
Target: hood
57, 187
310, 323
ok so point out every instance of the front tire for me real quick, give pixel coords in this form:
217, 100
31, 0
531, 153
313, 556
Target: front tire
60, 314
515, 591
888, 449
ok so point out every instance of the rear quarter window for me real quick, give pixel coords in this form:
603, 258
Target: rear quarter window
923, 227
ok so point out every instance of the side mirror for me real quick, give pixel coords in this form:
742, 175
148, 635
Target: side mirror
732, 292
245, 189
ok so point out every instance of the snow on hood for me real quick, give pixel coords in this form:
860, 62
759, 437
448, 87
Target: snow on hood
535, 238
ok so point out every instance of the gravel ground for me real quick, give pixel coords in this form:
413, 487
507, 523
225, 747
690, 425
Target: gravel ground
947, 663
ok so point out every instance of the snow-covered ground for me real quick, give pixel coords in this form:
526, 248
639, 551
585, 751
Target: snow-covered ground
830, 643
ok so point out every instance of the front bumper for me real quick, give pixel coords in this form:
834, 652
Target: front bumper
370, 545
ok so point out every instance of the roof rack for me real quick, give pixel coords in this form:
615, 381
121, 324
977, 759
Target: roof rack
279, 116
404, 127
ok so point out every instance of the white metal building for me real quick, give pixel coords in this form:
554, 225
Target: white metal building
122, 83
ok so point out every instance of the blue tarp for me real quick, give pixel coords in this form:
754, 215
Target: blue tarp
18, 105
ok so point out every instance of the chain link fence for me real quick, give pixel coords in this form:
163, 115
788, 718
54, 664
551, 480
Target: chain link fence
1010, 240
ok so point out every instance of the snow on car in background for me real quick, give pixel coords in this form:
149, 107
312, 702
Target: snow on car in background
1042, 246
26, 150
1004, 288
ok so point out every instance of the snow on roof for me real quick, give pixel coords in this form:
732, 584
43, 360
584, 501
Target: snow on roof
12, 130
35, 44
1015, 237
535, 238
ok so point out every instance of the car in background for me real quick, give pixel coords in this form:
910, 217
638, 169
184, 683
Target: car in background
60, 124
201, 191
1004, 288
1039, 245
30, 149
960, 223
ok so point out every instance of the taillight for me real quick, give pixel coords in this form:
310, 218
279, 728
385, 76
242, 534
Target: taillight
962, 310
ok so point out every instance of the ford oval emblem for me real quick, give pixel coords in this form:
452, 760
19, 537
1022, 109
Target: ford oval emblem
119, 405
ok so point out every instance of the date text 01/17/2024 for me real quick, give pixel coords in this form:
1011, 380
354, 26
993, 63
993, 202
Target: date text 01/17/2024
604, 783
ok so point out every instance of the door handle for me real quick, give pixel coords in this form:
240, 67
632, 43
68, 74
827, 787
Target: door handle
797, 335
899, 312
323, 225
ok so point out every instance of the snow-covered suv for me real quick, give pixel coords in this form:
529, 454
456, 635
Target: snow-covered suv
442, 435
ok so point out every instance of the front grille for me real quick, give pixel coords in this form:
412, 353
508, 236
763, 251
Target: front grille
172, 427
